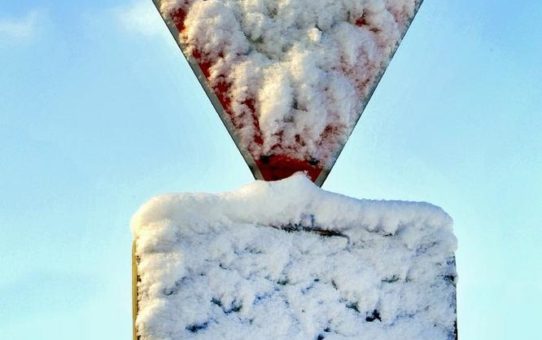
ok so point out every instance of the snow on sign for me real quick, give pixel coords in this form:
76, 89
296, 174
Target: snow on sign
289, 78
286, 260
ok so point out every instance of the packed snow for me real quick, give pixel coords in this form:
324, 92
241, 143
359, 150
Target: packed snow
287, 260
292, 75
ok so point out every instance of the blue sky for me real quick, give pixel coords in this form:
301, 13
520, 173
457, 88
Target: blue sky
99, 112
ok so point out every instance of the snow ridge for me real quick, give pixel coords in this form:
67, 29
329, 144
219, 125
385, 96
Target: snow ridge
287, 260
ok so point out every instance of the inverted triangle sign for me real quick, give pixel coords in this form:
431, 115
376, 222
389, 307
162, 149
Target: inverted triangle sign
289, 78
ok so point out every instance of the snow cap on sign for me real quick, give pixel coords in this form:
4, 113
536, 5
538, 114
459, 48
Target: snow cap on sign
289, 78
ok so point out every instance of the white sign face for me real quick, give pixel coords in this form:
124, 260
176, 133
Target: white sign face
289, 78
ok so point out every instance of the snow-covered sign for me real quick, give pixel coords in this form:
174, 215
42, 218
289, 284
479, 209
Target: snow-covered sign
287, 260
289, 78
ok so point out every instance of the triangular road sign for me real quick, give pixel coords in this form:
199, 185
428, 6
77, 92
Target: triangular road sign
289, 78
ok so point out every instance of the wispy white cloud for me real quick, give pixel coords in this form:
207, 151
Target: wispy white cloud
20, 28
140, 17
